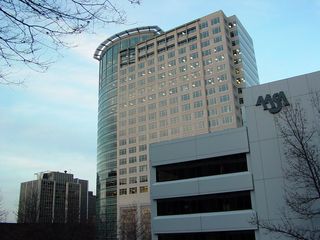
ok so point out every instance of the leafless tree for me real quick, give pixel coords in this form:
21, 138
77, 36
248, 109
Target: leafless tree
301, 139
133, 228
30, 29
3, 212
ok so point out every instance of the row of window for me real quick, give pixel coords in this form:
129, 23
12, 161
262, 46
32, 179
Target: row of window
185, 87
173, 131
171, 63
226, 120
228, 235
201, 168
133, 180
214, 31
133, 190
133, 159
163, 123
131, 170
231, 201
141, 148
133, 87
213, 21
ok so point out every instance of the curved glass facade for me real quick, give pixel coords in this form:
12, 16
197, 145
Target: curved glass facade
108, 55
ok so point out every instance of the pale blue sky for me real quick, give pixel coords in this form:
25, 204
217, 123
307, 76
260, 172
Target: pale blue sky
50, 123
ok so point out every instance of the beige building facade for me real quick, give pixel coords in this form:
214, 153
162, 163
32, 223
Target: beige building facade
183, 82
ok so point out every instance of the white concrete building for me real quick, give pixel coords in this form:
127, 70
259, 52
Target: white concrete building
213, 185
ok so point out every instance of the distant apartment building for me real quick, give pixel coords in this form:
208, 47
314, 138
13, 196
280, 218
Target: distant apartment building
54, 197
156, 86
91, 208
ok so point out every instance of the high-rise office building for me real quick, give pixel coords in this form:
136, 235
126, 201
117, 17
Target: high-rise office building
156, 86
54, 197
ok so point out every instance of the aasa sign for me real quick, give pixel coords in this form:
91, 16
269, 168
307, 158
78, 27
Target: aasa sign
273, 104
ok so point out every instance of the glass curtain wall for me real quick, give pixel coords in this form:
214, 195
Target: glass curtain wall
107, 134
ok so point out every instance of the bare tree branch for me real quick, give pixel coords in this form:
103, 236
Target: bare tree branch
302, 188
28, 28
134, 225
3, 212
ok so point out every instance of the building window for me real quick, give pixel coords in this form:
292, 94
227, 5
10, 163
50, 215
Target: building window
228, 235
122, 181
132, 180
193, 47
142, 138
215, 20
172, 63
160, 58
132, 140
153, 135
223, 88
142, 118
186, 117
212, 112
212, 101
205, 43
164, 133
171, 54
122, 171
214, 123
218, 48
217, 39
210, 91
122, 191
182, 50
204, 34
197, 104
163, 103
133, 190
152, 116
122, 142
203, 25
206, 52
216, 30
142, 147
173, 100
207, 61
142, 158
143, 189
183, 68
220, 202
173, 90
122, 161
174, 110
186, 107
227, 120
196, 84
132, 149
196, 94
122, 151
224, 98
198, 114
174, 120
132, 170
152, 125
143, 168
143, 178
225, 109
132, 159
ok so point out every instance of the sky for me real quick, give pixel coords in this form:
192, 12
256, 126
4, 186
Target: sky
50, 122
